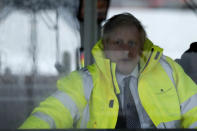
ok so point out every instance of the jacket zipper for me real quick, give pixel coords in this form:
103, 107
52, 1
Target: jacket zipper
148, 59
117, 95
112, 77
139, 76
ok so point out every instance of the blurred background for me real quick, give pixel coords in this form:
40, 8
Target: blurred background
43, 40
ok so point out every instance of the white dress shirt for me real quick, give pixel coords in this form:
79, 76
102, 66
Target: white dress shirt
133, 85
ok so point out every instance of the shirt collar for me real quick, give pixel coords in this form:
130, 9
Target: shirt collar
134, 74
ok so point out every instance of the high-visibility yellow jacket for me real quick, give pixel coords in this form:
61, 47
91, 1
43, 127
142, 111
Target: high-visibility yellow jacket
88, 98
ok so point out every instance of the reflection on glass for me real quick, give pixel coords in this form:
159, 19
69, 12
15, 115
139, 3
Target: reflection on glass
37, 45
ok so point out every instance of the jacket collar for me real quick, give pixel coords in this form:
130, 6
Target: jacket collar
149, 58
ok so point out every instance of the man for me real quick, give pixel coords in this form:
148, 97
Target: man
188, 61
130, 85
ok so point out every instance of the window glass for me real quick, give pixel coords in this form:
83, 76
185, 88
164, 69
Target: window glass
38, 44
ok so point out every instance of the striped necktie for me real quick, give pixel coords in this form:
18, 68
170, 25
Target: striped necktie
131, 115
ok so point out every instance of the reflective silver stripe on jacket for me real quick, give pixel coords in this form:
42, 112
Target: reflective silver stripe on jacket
170, 124
45, 118
194, 125
68, 103
87, 82
167, 68
85, 117
189, 104
88, 86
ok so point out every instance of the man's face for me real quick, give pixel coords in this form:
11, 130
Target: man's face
123, 48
